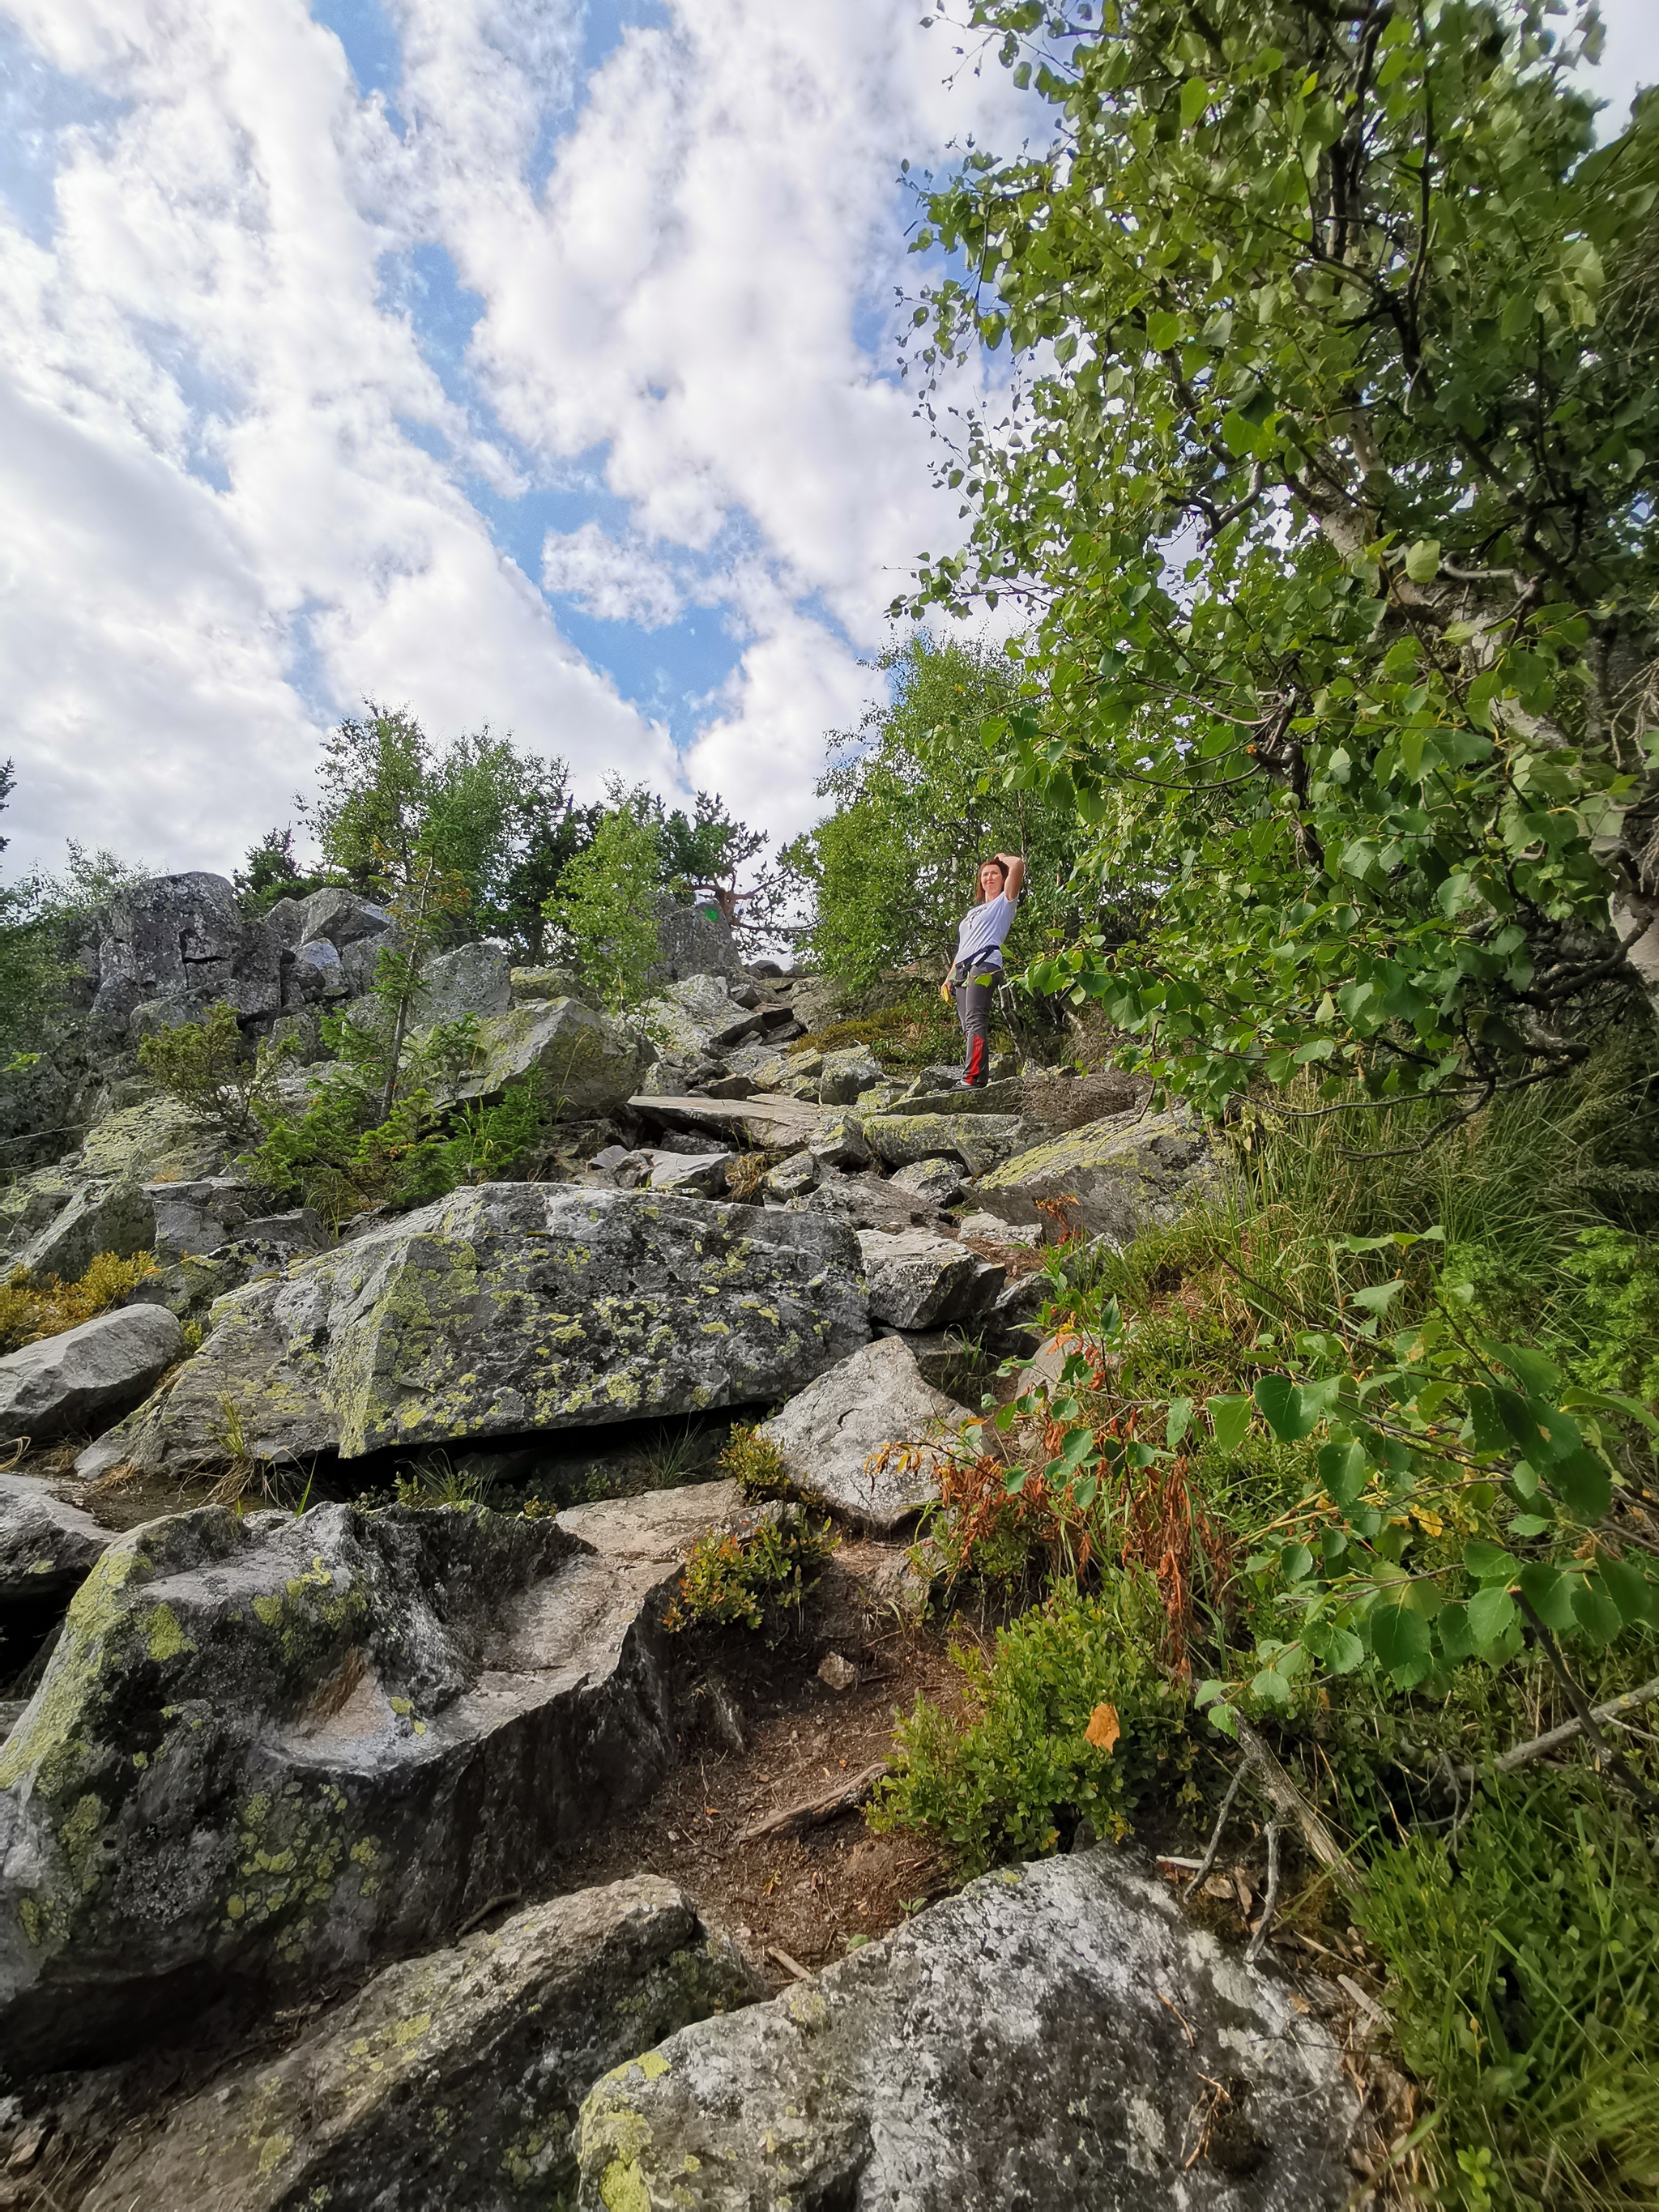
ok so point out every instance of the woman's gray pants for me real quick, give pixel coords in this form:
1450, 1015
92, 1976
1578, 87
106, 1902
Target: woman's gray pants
973, 1012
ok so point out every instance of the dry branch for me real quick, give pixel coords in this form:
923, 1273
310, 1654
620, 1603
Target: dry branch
814, 1814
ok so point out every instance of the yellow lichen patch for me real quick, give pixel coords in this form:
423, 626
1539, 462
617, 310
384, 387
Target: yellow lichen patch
274, 2150
49, 1736
163, 1636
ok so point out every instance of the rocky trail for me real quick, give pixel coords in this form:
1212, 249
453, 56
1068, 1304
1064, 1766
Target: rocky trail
403, 1803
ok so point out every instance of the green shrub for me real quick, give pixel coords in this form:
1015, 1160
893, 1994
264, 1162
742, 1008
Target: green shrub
1617, 1311
1004, 1782
207, 1067
756, 1463
742, 1581
1525, 1985
36, 1306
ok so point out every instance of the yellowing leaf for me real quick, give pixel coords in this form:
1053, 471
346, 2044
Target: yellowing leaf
1103, 1730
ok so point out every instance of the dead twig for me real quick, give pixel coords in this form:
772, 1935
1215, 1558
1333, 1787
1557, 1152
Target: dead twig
1209, 1857
1575, 1698
1540, 1747
1269, 1901
790, 1965
1289, 1803
813, 1814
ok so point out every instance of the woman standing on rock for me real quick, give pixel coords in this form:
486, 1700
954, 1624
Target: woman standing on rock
978, 969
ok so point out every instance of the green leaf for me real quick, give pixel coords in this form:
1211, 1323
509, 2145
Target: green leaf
1194, 98
1630, 1590
1598, 1616
1584, 1485
1491, 1614
1162, 332
1423, 561
1399, 1640
1549, 1593
1295, 1562
1343, 1469
1230, 1419
1453, 1632
1488, 1564
1293, 1410
1179, 1420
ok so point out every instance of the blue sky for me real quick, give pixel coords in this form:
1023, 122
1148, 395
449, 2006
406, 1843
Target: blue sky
524, 361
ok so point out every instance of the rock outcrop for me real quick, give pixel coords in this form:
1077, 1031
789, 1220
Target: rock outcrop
86, 1378
588, 1063
268, 1750
865, 1438
504, 1309
979, 1141
1111, 1178
450, 2079
1057, 2036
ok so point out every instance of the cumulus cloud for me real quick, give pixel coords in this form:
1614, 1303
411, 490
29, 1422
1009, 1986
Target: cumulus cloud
613, 582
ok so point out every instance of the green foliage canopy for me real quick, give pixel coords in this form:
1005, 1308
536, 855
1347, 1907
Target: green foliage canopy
1332, 495
603, 905
918, 805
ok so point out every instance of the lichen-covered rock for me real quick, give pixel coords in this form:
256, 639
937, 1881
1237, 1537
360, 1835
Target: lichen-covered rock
503, 1309
342, 918
451, 2079
939, 1183
840, 1144
1119, 1175
98, 1217
691, 942
270, 1750
834, 1437
86, 1378
793, 1177
181, 938
1057, 2036
535, 987
588, 1064
978, 1141
919, 1280
47, 1547
698, 1015
846, 1074
995, 1098
693, 1175
473, 979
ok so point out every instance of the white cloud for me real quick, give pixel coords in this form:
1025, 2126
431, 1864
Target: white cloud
222, 520
611, 582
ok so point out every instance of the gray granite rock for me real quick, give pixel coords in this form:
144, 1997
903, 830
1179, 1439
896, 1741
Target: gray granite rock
450, 2079
88, 1377
47, 1547
846, 1074
503, 1309
1057, 2038
920, 1281
342, 918
1113, 1177
793, 1177
864, 1438
937, 1182
473, 979
697, 1015
587, 1063
270, 1751
979, 1141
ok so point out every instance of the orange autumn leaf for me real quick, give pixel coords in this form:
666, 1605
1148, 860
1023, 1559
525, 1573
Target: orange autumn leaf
1103, 1730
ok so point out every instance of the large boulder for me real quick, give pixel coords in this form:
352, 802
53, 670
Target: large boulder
451, 2079
53, 1219
834, 1437
1110, 1178
692, 940
47, 1547
920, 1281
1057, 2035
181, 941
473, 979
98, 1217
86, 1378
845, 1075
588, 1064
269, 1751
342, 918
979, 1141
503, 1309
699, 1016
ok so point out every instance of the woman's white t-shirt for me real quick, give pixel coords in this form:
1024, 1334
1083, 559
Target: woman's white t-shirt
983, 928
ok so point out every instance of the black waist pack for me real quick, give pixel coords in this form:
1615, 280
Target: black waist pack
965, 970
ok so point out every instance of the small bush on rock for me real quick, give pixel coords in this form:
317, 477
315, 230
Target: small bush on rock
732, 1581
204, 1065
1071, 1718
755, 1462
36, 1306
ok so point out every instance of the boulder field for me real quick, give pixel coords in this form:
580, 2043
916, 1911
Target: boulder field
290, 1796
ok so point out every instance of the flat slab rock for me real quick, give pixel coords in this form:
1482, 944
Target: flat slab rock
86, 1376
1049, 2041
451, 2079
504, 1309
268, 1751
920, 1281
833, 1438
